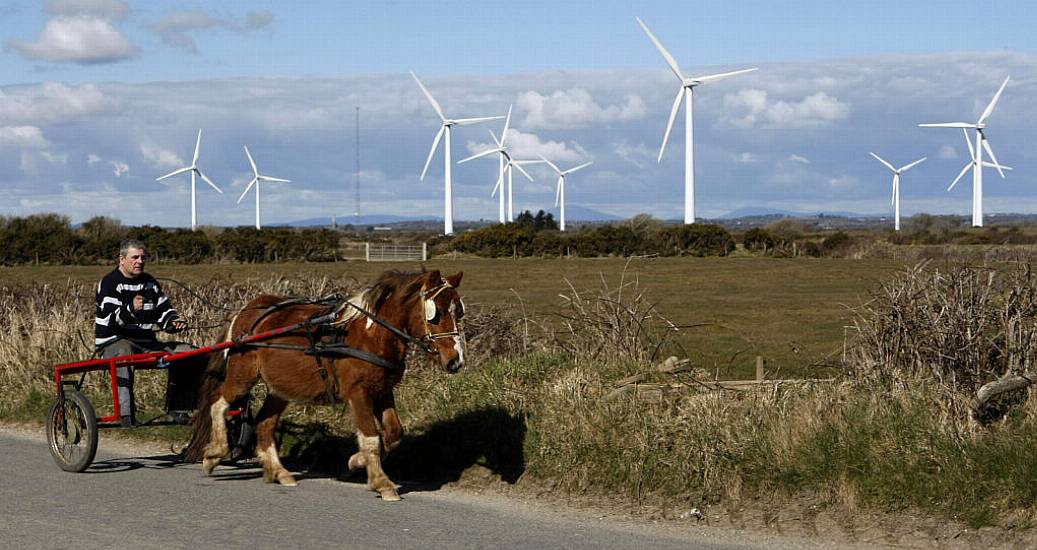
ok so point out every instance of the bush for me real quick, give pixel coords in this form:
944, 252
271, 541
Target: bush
758, 240
696, 240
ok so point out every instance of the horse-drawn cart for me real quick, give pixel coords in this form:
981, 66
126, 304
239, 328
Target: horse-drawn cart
72, 423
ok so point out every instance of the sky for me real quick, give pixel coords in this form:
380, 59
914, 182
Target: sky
100, 97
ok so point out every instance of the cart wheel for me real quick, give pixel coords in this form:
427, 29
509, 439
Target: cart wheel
72, 432
241, 434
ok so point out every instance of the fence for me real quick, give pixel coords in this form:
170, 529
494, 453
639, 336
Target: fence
386, 252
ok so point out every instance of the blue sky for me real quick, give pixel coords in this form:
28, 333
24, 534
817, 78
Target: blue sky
99, 97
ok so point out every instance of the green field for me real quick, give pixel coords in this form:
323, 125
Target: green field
790, 311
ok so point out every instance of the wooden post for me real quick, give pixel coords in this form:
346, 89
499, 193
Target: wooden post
759, 367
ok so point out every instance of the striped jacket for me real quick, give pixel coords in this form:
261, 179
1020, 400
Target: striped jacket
115, 318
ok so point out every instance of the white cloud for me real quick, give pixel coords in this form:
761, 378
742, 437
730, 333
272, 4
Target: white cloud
745, 158
52, 103
92, 159
843, 181
523, 146
575, 108
106, 9
639, 155
176, 27
947, 152
82, 39
814, 110
54, 158
162, 158
120, 168
799, 159
21, 137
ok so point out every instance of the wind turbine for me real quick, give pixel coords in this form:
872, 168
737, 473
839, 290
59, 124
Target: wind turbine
560, 191
896, 185
688, 84
256, 178
507, 163
444, 130
976, 162
194, 170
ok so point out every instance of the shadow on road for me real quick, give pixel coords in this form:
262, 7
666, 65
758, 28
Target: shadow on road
489, 437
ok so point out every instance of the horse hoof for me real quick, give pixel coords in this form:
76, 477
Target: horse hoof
286, 479
209, 464
389, 495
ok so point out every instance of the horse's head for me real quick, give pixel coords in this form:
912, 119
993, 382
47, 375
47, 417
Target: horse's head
440, 309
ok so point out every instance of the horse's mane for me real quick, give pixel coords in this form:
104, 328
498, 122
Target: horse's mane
390, 282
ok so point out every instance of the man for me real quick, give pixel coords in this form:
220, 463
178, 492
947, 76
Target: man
130, 308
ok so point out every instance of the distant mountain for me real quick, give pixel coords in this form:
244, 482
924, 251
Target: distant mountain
373, 219
761, 211
581, 214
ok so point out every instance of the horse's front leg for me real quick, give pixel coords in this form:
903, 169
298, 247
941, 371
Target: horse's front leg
370, 454
392, 431
266, 424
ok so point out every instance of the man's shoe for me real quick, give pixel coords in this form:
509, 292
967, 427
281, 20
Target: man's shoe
127, 421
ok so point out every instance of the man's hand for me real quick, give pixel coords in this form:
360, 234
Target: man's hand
177, 325
138, 302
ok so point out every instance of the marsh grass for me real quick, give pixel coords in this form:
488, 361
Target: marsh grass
531, 408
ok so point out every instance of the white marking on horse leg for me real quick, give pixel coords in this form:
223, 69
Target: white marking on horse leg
280, 473
217, 447
377, 481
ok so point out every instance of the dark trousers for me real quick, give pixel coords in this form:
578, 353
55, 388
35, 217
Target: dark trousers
124, 375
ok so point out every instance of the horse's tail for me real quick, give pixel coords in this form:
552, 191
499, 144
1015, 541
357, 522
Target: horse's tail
208, 393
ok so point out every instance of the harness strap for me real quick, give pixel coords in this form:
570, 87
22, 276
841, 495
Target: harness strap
330, 383
335, 350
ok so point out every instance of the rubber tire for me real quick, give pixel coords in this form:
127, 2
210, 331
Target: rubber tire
85, 435
241, 436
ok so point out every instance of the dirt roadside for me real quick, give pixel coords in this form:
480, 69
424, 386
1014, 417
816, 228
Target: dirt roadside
799, 523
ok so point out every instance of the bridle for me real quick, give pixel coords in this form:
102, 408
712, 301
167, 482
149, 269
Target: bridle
429, 312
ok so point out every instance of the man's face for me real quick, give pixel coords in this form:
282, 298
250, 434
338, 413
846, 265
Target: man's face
132, 264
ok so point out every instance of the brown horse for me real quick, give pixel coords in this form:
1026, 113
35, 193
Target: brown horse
423, 306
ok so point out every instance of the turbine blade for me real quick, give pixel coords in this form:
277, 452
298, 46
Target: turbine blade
992, 165
720, 76
948, 125
432, 100
658, 45
209, 181
913, 164
467, 121
986, 147
507, 123
990, 106
558, 190
499, 142
584, 165
551, 164
271, 178
479, 155
523, 170
896, 183
669, 125
972, 152
500, 180
960, 174
247, 189
435, 143
175, 172
197, 147
883, 161
255, 170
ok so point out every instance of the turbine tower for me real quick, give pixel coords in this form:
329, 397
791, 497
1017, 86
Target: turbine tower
896, 186
560, 191
444, 131
688, 84
256, 178
195, 171
976, 162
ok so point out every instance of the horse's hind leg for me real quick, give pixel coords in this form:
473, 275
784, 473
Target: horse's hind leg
266, 423
241, 376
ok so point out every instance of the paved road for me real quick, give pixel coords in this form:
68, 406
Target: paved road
135, 497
